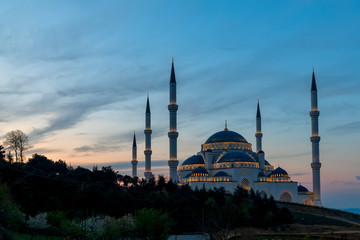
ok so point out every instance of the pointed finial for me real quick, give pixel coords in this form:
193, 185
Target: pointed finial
258, 115
172, 75
134, 140
313, 69
313, 82
147, 104
225, 129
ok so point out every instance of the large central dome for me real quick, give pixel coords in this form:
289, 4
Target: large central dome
226, 136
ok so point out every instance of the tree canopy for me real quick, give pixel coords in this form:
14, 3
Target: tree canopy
43, 185
17, 141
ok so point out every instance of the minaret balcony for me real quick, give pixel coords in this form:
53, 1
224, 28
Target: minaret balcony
315, 139
147, 131
173, 107
173, 163
147, 152
315, 165
258, 135
134, 162
314, 113
173, 134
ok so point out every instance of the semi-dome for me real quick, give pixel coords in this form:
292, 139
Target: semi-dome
199, 171
221, 174
301, 188
226, 136
279, 172
238, 156
196, 159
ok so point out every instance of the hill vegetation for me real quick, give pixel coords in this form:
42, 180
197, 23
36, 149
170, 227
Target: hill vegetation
49, 197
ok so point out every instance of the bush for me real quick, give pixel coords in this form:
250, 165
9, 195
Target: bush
10, 215
60, 225
38, 222
152, 224
5, 234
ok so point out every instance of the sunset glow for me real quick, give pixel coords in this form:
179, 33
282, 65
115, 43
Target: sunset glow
74, 76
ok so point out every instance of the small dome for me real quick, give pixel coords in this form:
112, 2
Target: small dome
199, 171
301, 188
238, 156
221, 174
279, 172
196, 159
226, 136
267, 163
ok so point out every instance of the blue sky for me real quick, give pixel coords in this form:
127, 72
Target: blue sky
74, 76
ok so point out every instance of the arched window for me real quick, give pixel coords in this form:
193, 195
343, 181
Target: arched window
245, 184
285, 197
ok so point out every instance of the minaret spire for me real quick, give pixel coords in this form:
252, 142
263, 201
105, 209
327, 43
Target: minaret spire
147, 105
258, 135
173, 134
258, 115
147, 132
315, 139
313, 82
134, 161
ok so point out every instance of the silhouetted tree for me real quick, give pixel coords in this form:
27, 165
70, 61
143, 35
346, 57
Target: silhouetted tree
9, 157
2, 152
17, 141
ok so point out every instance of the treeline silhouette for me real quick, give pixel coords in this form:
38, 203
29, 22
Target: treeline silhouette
42, 185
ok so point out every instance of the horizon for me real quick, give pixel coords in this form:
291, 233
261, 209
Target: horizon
75, 76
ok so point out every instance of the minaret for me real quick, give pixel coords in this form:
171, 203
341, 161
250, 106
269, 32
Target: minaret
147, 132
173, 134
258, 133
315, 139
134, 161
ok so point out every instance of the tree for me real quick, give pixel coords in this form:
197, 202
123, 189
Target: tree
9, 157
10, 214
2, 152
152, 224
17, 141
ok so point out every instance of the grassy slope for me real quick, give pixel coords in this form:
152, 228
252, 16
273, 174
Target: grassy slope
311, 219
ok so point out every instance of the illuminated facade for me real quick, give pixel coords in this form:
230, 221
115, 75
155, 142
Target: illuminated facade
226, 160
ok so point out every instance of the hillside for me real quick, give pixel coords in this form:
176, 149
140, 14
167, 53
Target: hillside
351, 218
352, 210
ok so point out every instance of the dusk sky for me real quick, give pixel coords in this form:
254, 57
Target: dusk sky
74, 76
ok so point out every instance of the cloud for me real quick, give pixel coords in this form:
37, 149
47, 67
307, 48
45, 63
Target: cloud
291, 155
299, 174
97, 148
348, 128
358, 178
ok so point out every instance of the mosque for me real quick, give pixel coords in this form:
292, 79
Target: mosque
227, 160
